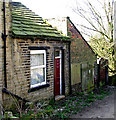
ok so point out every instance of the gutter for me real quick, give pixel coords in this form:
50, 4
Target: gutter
4, 36
48, 38
4, 39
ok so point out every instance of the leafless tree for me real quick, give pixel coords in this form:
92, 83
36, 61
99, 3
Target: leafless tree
98, 18
98, 26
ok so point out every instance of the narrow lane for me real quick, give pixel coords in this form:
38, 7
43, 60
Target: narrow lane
100, 109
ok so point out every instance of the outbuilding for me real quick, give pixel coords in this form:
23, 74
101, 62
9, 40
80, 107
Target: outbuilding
37, 57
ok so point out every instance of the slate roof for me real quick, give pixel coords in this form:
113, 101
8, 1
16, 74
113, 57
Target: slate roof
27, 23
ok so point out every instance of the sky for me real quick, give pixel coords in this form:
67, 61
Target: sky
49, 8
56, 8
53, 8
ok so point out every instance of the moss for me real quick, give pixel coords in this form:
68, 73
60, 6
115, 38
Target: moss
19, 32
30, 24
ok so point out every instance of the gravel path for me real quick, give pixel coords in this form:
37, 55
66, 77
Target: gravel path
100, 109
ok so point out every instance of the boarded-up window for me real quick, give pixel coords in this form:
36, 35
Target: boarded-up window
75, 73
87, 76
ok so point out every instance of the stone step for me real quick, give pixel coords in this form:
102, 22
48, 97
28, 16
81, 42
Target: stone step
59, 97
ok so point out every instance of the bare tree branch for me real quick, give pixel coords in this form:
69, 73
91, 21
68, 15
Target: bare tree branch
101, 23
95, 16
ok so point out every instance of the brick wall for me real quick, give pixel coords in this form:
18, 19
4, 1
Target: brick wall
81, 54
80, 50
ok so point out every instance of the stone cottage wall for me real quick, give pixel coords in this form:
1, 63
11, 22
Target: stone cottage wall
18, 68
8, 39
7, 16
18, 65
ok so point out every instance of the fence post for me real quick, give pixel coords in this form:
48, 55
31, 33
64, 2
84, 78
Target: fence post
98, 75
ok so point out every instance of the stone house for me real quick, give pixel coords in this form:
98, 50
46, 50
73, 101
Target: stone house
37, 57
83, 59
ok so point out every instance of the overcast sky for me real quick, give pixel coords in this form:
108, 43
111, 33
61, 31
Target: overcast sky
49, 8
56, 8
52, 8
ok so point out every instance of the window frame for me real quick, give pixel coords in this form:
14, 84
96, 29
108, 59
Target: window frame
32, 52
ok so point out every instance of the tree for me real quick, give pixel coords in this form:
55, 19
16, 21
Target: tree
99, 28
104, 49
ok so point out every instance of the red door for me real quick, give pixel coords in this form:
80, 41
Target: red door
57, 76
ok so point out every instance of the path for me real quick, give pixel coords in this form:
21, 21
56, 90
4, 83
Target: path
100, 109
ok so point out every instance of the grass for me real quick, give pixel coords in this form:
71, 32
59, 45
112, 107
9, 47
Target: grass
65, 107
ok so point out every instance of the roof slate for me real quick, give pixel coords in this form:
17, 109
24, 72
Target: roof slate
27, 23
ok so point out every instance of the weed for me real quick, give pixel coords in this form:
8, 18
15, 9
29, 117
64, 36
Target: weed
49, 107
67, 110
61, 115
100, 97
61, 109
77, 103
78, 93
73, 98
74, 112
51, 102
91, 96
80, 100
89, 100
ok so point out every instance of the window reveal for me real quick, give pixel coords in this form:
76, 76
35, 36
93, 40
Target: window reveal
38, 67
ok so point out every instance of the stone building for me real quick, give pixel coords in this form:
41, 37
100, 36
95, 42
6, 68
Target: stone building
82, 56
37, 57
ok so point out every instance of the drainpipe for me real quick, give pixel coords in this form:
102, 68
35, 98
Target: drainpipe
70, 68
4, 39
4, 36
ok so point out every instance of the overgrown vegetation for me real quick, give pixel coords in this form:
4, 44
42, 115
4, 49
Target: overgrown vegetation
60, 109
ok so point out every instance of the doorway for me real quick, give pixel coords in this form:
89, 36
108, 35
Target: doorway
58, 72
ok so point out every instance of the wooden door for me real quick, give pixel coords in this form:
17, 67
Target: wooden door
57, 76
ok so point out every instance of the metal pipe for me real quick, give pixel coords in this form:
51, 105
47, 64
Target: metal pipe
4, 39
4, 90
54, 74
70, 68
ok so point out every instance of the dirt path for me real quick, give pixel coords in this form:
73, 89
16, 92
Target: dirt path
100, 109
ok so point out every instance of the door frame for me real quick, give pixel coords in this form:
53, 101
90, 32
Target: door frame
60, 56
63, 70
